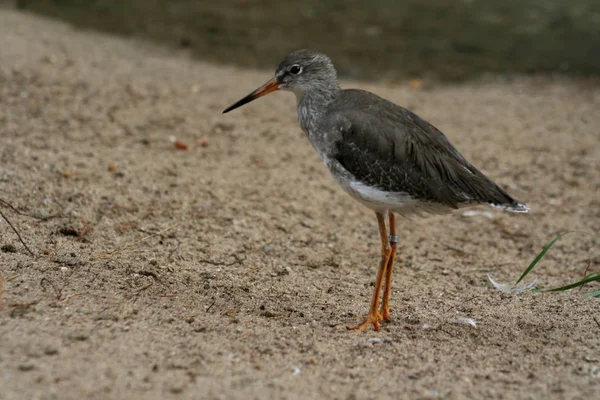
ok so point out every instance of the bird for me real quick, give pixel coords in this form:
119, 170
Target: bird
383, 155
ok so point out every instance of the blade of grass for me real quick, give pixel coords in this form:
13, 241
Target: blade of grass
544, 251
594, 277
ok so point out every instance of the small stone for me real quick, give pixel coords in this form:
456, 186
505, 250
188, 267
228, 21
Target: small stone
50, 350
68, 231
79, 336
268, 314
9, 248
27, 366
282, 271
107, 317
176, 389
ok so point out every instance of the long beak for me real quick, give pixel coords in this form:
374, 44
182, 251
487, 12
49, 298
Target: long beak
267, 88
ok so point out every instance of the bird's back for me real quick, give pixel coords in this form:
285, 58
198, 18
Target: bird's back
391, 149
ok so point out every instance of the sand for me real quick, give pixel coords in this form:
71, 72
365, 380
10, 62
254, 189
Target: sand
231, 269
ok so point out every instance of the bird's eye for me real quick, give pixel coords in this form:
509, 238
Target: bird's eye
295, 69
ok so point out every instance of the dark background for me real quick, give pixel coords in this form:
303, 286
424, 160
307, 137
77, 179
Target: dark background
374, 40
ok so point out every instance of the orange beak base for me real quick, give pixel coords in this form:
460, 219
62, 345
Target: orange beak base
267, 88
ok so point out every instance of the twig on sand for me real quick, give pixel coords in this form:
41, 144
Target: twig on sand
7, 204
175, 249
459, 251
125, 248
162, 237
155, 276
146, 286
14, 209
1, 288
211, 305
238, 260
16, 232
57, 291
70, 297
138, 291
585, 274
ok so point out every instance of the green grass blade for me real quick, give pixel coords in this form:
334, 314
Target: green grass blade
591, 278
544, 251
593, 294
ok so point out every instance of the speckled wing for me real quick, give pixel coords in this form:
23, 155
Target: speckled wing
390, 148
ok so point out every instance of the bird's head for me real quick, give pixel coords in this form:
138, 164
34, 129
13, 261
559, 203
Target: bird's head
301, 71
306, 70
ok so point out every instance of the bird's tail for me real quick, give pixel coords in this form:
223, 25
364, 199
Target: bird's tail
515, 206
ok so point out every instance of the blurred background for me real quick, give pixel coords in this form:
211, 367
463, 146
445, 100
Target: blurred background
371, 40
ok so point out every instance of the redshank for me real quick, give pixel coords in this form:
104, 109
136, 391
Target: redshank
381, 154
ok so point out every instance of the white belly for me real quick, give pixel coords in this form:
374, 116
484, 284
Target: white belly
382, 201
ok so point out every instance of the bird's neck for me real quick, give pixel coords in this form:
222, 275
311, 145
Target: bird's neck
312, 106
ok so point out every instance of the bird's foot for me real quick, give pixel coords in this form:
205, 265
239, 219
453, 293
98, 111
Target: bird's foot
385, 312
372, 319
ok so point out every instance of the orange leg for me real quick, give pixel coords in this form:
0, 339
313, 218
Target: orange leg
374, 317
385, 302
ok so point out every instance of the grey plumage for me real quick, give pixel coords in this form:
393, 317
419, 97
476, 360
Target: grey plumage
406, 154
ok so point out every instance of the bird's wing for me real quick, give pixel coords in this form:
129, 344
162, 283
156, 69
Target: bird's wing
397, 151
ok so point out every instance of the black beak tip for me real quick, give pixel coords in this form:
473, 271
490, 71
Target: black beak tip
238, 104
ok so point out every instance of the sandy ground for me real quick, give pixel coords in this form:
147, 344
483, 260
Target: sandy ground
231, 270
